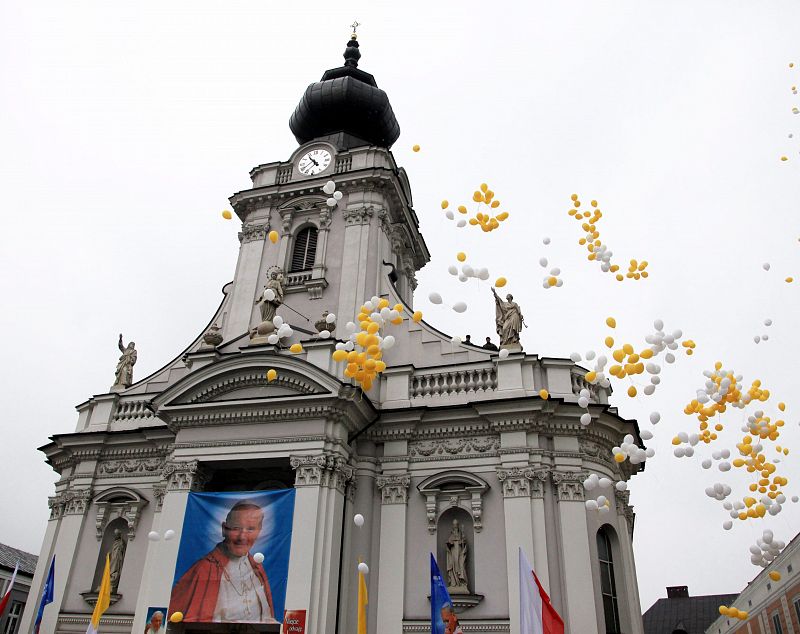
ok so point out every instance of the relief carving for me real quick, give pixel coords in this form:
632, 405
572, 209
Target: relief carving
569, 485
516, 481
394, 488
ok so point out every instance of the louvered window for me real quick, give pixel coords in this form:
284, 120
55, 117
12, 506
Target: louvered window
305, 247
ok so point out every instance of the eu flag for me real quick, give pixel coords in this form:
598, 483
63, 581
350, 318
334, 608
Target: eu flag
47, 595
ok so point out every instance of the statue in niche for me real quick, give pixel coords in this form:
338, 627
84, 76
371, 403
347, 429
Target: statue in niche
116, 555
508, 321
457, 560
123, 375
272, 297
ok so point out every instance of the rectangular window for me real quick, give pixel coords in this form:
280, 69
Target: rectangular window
797, 607
776, 623
12, 622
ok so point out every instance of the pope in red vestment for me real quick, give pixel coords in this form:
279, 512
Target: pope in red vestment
197, 592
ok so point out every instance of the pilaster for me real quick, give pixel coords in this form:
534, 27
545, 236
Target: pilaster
394, 497
539, 526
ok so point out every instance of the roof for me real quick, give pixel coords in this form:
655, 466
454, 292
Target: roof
692, 614
10, 556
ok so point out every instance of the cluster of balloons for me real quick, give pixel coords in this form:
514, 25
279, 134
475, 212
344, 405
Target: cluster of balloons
436, 298
599, 252
765, 549
330, 318
552, 279
330, 189
284, 330
765, 337
486, 220
719, 491
155, 536
602, 503
467, 270
795, 109
733, 613
629, 450
363, 351
451, 216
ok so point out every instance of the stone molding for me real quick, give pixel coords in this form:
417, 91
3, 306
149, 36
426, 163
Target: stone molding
394, 488
251, 379
569, 485
516, 481
185, 475
69, 502
130, 467
159, 491
358, 215
453, 488
247, 442
118, 502
126, 621
475, 445
259, 416
324, 470
513, 424
625, 509
252, 232
468, 627
540, 476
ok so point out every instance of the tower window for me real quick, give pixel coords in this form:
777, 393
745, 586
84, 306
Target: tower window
305, 248
608, 587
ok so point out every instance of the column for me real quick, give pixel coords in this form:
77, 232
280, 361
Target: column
539, 527
516, 483
320, 482
392, 573
179, 479
627, 567
787, 615
580, 615
354, 252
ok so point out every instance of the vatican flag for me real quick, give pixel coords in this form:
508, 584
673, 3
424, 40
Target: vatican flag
103, 599
362, 604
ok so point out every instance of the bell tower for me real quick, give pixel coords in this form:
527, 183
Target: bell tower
331, 257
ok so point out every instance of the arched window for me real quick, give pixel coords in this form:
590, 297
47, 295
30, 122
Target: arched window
305, 248
608, 587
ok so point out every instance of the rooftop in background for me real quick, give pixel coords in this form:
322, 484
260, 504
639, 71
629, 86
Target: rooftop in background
682, 613
10, 556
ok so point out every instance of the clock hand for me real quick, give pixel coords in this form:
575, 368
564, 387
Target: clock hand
313, 161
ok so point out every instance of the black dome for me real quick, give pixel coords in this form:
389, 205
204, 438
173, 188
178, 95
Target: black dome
346, 100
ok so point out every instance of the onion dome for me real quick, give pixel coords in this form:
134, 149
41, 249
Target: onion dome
346, 103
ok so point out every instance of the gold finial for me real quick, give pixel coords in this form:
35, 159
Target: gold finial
354, 26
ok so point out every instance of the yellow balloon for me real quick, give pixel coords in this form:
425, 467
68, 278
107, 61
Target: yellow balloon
775, 575
176, 617
340, 355
609, 342
273, 236
415, 148
417, 316
631, 391
500, 282
544, 394
461, 256
784, 158
619, 457
611, 322
723, 610
227, 215
295, 348
462, 209
445, 204
272, 374
789, 280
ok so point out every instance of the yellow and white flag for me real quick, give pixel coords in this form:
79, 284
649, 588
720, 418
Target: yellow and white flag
103, 599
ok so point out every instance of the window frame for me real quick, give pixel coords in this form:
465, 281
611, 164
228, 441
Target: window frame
307, 265
776, 622
610, 602
13, 618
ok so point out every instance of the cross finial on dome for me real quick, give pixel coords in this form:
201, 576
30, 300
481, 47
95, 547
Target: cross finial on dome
351, 53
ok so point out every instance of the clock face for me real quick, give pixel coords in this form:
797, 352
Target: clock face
314, 162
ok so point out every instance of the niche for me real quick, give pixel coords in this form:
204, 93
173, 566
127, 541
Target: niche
456, 559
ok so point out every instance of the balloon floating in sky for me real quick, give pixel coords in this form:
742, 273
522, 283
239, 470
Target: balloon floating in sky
176, 617
227, 215
273, 237
358, 520
415, 148
363, 568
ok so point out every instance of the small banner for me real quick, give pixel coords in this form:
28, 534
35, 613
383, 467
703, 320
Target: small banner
294, 622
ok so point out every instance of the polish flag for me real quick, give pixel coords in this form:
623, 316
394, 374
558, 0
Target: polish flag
536, 613
7, 595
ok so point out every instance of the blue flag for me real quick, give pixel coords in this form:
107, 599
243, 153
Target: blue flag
443, 615
47, 595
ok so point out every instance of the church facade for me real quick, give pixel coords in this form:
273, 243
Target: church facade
451, 439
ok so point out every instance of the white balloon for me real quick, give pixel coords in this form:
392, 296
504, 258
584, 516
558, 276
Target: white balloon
601, 500
330, 318
545, 240
459, 307
658, 324
258, 558
767, 322
555, 271
455, 340
590, 355
269, 294
277, 321
765, 337
655, 417
153, 536
621, 485
765, 266
542, 262
350, 326
358, 520
503, 353
583, 402
649, 389
450, 215
388, 342
331, 202
706, 464
462, 278
434, 298
337, 195
329, 187
586, 418
363, 568
324, 334
604, 483
169, 534
646, 434
484, 274
591, 505
756, 338
452, 269
467, 270
273, 339
559, 283
727, 525
461, 223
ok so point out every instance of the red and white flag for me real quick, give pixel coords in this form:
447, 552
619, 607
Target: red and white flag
7, 595
536, 613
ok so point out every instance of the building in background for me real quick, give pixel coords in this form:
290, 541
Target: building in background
452, 450
773, 607
9, 558
681, 614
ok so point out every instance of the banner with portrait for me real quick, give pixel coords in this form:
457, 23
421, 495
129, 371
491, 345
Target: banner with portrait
233, 558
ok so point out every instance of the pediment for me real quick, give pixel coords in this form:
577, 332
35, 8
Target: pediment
249, 383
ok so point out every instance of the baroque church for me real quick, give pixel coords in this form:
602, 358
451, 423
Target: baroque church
446, 433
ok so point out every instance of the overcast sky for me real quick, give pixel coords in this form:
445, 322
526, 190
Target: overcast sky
126, 126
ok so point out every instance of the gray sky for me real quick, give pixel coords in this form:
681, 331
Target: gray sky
126, 126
